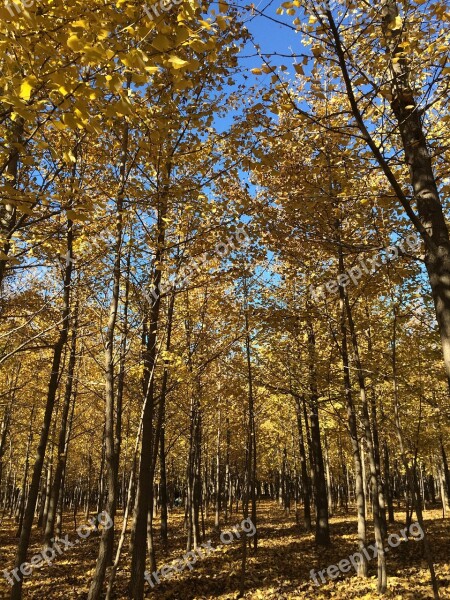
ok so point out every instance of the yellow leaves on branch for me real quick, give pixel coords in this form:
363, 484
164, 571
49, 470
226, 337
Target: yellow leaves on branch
396, 23
161, 43
27, 86
89, 54
74, 43
75, 216
177, 62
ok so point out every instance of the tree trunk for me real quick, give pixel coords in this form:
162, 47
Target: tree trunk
162, 428
217, 474
23, 494
145, 476
61, 457
320, 487
430, 220
411, 482
251, 423
306, 484
8, 212
112, 438
377, 520
353, 429
24, 541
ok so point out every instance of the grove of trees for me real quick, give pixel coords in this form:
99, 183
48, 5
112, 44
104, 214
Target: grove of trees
224, 287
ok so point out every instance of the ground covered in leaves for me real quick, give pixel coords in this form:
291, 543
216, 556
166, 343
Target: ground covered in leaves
280, 569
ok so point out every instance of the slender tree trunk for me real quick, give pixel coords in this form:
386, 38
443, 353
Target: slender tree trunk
4, 430
217, 477
131, 483
59, 520
306, 484
162, 420
8, 212
112, 438
445, 469
377, 520
61, 457
145, 476
388, 486
353, 429
248, 483
328, 478
24, 541
251, 423
409, 475
320, 487
376, 440
25, 476
227, 484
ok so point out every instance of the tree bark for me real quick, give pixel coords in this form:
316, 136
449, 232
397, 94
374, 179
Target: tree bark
145, 476
353, 430
112, 437
306, 484
376, 509
61, 457
22, 549
320, 487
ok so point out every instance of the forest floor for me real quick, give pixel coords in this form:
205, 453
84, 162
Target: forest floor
280, 570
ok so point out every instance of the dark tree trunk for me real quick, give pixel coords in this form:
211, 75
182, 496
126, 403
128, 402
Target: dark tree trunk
24, 541
374, 475
61, 457
162, 428
112, 429
306, 483
353, 429
320, 487
145, 476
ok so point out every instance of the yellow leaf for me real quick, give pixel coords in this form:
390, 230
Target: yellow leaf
396, 23
26, 87
222, 23
177, 62
317, 50
81, 23
75, 43
69, 156
205, 24
74, 216
70, 121
161, 43
197, 45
